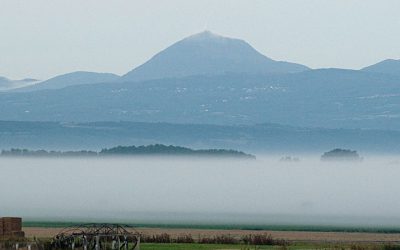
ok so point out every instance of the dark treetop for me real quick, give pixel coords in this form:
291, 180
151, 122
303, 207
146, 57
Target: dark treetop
157, 149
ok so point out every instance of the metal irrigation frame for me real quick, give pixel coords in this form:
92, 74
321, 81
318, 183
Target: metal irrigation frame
97, 236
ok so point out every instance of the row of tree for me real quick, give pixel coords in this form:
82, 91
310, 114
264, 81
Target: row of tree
157, 149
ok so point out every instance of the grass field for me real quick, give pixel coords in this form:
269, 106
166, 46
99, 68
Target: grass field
156, 246
295, 237
194, 246
301, 228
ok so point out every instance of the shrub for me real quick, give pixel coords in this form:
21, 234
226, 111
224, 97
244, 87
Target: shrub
262, 239
184, 239
157, 238
220, 239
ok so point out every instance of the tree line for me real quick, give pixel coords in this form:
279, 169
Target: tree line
156, 149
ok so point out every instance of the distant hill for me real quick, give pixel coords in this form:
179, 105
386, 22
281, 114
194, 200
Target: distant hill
208, 54
7, 84
4, 83
331, 98
70, 79
3, 80
388, 66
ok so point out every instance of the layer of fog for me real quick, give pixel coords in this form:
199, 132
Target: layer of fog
171, 190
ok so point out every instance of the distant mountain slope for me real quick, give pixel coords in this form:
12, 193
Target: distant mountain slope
262, 138
4, 83
208, 54
7, 84
70, 79
329, 98
388, 66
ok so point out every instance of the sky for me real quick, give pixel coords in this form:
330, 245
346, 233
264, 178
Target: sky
43, 38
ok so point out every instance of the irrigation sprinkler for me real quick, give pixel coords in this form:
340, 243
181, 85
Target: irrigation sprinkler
97, 237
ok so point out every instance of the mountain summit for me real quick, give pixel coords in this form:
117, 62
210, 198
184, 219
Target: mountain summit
207, 53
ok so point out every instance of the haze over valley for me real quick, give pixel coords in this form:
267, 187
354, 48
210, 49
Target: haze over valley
203, 192
233, 116
212, 92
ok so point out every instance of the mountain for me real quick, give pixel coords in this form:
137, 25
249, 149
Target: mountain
209, 79
331, 98
7, 84
208, 54
388, 66
70, 79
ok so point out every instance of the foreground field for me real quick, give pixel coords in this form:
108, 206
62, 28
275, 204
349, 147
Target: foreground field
157, 246
291, 236
290, 247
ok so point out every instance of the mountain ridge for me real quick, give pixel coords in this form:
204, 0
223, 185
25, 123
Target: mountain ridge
331, 98
8, 84
206, 53
388, 66
70, 79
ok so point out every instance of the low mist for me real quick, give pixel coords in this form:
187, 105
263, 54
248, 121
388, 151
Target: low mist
186, 190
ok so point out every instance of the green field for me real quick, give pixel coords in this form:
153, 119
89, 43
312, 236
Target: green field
305, 228
157, 246
373, 245
194, 246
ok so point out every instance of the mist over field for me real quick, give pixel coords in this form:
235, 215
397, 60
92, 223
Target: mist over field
195, 190
160, 125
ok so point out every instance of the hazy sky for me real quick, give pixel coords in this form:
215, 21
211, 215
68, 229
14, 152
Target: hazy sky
43, 38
